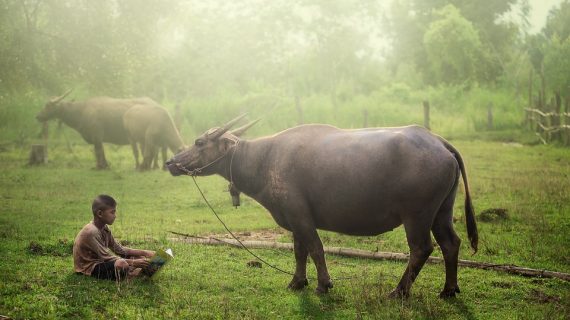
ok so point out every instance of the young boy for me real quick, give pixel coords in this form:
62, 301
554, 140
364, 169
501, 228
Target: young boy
94, 246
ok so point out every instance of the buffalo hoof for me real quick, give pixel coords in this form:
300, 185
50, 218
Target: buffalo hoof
298, 284
102, 165
449, 293
323, 288
398, 294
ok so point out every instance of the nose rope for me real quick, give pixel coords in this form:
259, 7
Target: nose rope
199, 170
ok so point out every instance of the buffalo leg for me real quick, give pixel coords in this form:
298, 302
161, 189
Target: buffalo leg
164, 158
449, 243
149, 151
135, 148
299, 280
310, 237
155, 160
100, 156
419, 241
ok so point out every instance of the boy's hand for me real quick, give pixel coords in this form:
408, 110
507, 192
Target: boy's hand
148, 253
140, 263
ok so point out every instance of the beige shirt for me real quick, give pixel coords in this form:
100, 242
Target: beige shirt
93, 246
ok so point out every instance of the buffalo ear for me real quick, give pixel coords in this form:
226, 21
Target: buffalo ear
228, 141
239, 131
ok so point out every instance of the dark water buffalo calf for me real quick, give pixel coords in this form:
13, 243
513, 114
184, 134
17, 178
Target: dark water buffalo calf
357, 182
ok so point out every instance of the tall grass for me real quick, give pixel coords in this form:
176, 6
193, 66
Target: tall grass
455, 111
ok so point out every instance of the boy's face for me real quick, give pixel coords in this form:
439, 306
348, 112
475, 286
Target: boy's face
108, 215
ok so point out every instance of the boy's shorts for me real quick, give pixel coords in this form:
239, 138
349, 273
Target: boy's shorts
106, 270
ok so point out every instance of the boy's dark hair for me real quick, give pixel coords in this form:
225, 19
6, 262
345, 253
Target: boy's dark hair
102, 202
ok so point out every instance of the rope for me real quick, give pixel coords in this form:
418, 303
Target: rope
233, 236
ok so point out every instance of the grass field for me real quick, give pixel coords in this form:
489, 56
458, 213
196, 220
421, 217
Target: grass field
42, 209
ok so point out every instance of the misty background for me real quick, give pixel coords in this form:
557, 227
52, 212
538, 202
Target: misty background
351, 63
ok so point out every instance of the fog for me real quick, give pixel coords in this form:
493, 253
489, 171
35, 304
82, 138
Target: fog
304, 54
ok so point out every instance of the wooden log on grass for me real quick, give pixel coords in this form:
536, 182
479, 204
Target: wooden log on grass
377, 255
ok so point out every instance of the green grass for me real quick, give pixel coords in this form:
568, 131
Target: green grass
42, 209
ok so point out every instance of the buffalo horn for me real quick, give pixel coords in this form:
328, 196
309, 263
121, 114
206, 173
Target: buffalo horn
58, 99
239, 131
226, 127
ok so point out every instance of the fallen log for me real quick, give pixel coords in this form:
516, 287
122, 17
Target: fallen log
377, 255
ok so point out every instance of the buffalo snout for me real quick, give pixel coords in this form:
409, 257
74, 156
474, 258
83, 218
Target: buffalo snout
173, 167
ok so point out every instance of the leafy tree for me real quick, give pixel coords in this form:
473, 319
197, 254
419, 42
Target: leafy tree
453, 47
410, 19
556, 51
557, 65
558, 22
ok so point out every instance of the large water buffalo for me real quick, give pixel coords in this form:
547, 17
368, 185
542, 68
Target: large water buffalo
151, 126
357, 182
98, 120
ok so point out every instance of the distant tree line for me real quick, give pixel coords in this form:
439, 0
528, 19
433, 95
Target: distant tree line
170, 49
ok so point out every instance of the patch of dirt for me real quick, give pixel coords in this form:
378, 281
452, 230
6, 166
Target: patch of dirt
61, 248
541, 297
504, 285
256, 235
254, 264
512, 144
494, 214
35, 248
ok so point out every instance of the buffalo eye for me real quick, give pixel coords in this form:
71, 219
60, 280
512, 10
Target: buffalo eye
200, 143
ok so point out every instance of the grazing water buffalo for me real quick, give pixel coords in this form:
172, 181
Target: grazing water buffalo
152, 127
98, 120
357, 182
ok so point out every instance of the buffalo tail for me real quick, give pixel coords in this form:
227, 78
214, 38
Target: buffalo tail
469, 211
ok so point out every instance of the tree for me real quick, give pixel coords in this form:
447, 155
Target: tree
410, 19
557, 49
453, 47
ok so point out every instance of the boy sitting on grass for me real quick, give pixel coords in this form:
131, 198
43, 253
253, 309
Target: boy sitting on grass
94, 247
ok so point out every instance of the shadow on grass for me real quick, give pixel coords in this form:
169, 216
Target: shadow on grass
313, 306
462, 309
373, 301
86, 296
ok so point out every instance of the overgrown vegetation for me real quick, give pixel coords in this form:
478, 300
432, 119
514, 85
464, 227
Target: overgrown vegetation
285, 58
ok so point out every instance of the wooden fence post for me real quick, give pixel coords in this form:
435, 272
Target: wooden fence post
38, 154
567, 119
426, 114
556, 117
490, 116
299, 109
548, 120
